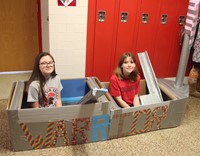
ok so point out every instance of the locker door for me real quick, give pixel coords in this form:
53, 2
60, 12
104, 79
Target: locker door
166, 38
126, 28
90, 37
103, 39
148, 20
175, 55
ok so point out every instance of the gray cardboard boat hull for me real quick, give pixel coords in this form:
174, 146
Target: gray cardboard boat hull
101, 121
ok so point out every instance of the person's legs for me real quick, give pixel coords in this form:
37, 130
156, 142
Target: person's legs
192, 81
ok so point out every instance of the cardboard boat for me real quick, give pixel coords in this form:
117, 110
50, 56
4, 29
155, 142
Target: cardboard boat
99, 118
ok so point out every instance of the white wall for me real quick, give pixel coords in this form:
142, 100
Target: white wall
45, 24
67, 37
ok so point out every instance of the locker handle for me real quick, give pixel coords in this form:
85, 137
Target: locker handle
101, 15
181, 20
164, 19
145, 18
124, 17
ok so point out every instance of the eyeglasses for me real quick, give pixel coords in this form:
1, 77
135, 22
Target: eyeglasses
51, 63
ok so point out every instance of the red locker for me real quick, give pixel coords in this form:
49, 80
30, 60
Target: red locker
166, 38
147, 27
103, 38
90, 37
176, 49
100, 37
125, 36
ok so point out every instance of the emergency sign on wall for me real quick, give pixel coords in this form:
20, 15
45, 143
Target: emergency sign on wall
66, 3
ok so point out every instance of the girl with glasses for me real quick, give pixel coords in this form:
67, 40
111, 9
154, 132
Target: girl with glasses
44, 85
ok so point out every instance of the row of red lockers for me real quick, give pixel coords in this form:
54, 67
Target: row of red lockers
116, 26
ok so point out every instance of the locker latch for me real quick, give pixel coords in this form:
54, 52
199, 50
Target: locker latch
145, 18
164, 19
181, 20
124, 17
101, 16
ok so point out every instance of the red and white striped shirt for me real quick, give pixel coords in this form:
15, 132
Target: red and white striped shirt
192, 19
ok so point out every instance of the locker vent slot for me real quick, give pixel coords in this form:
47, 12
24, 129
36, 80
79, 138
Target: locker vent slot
164, 19
181, 20
101, 16
145, 18
124, 17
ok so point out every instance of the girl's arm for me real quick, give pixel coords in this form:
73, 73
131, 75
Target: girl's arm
121, 102
59, 101
136, 101
35, 105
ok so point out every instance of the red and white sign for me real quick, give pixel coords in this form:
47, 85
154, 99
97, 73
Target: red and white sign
66, 2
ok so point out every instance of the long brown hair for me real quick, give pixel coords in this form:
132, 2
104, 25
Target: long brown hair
119, 72
37, 75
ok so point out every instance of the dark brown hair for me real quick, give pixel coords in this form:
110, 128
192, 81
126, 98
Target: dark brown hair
37, 75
